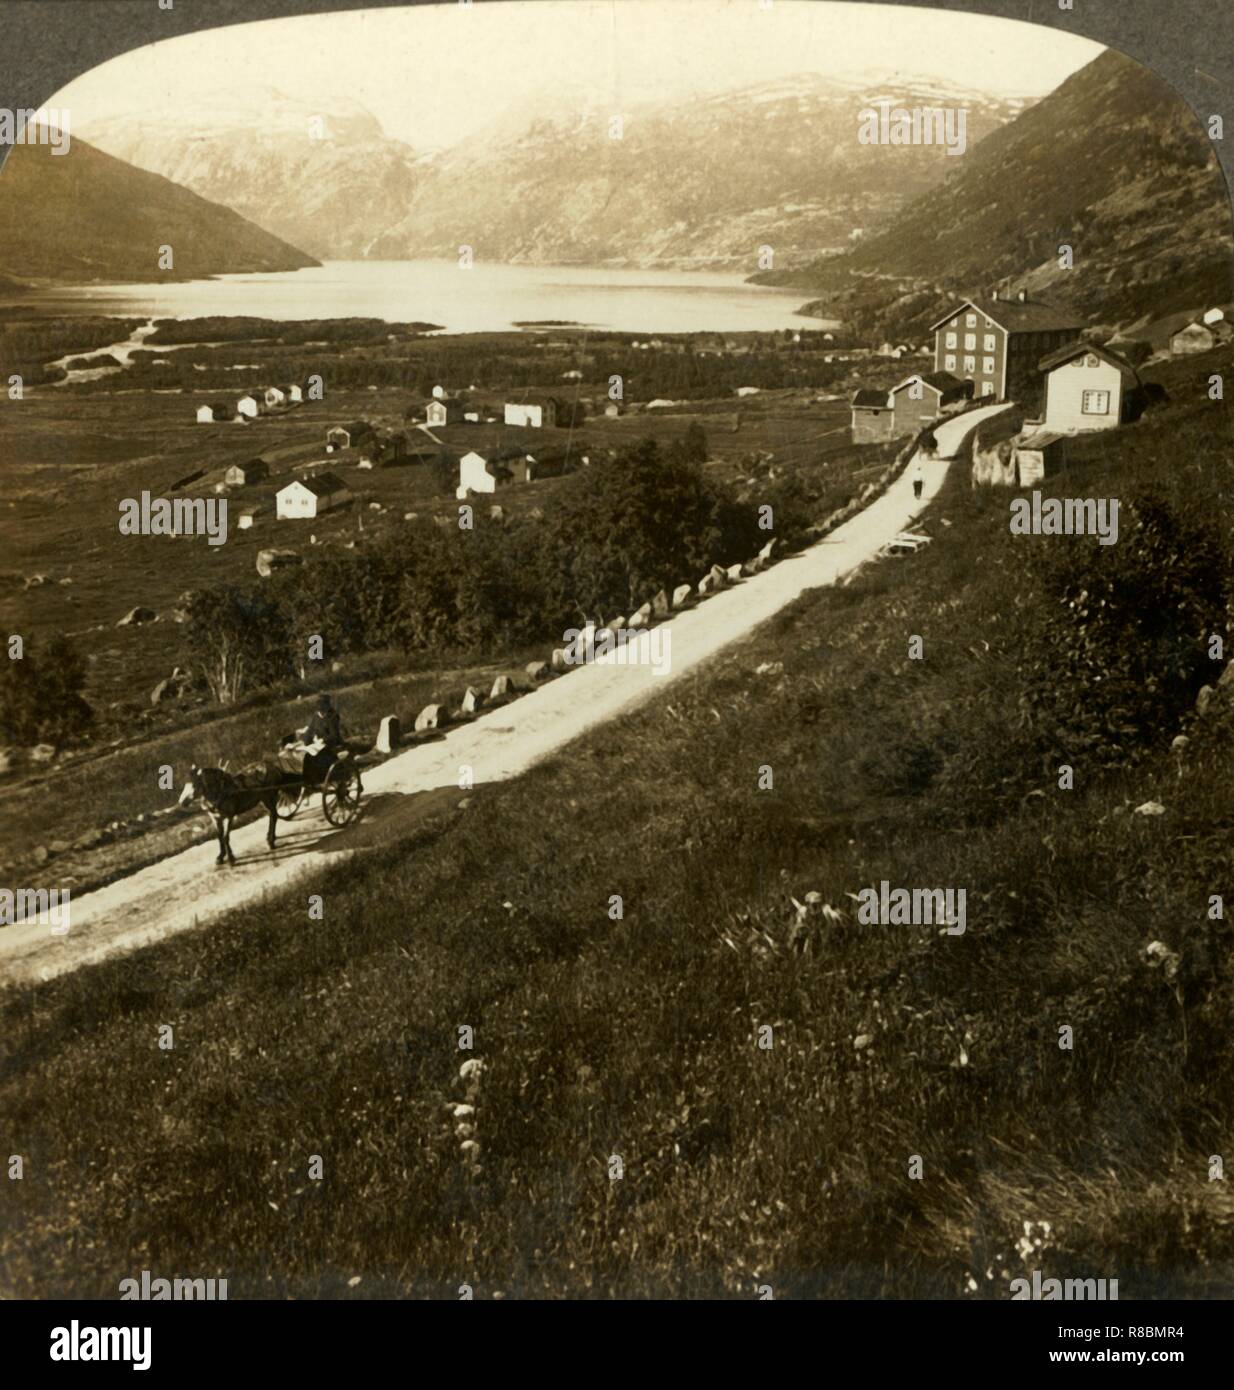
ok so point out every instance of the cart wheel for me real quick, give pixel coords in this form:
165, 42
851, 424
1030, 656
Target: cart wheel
289, 802
340, 793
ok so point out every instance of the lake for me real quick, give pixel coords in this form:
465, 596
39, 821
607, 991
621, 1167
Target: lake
487, 298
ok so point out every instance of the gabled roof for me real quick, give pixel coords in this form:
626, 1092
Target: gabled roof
868, 398
1014, 315
1070, 351
938, 382
321, 484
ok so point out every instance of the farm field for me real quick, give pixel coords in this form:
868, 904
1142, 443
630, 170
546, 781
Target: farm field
72, 453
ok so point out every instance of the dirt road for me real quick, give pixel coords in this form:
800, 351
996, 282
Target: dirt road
187, 890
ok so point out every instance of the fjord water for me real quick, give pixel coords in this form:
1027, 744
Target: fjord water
486, 298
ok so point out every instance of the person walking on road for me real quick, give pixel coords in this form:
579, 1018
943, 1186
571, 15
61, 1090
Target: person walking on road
918, 479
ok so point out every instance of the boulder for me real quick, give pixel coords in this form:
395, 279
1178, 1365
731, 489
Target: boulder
733, 573
42, 753
751, 566
1227, 677
718, 575
617, 624
472, 700
6, 760
1204, 699
681, 595
270, 560
36, 581
765, 554
660, 605
639, 617
430, 717
560, 659
137, 615
389, 734
496, 513
410, 516
501, 689
537, 670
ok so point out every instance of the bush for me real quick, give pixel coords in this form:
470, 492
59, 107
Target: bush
40, 695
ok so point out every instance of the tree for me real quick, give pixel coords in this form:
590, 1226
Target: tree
238, 639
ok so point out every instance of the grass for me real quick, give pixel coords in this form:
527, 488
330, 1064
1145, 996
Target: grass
638, 1037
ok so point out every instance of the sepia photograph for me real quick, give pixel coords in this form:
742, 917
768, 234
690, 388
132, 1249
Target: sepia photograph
615, 680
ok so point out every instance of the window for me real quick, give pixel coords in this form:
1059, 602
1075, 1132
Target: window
991, 342
951, 340
1096, 403
1091, 360
970, 321
970, 341
987, 388
970, 364
949, 362
987, 366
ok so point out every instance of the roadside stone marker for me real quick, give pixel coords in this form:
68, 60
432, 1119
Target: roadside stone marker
390, 734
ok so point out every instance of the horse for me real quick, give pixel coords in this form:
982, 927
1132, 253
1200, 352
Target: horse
226, 795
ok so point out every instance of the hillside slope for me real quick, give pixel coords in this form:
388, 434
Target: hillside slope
699, 183
1113, 163
85, 215
323, 177
644, 1036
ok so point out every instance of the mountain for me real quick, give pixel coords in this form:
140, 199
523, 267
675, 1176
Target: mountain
322, 176
703, 182
83, 215
1113, 163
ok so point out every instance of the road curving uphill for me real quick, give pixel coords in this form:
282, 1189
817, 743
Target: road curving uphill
188, 890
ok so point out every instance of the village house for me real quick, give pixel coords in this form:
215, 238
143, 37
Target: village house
534, 412
215, 411
443, 410
249, 406
919, 398
612, 409
1199, 337
1088, 387
247, 517
349, 436
996, 341
292, 391
873, 419
274, 396
244, 474
311, 496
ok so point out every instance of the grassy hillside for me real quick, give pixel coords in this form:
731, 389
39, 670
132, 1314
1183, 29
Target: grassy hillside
83, 215
1113, 163
638, 1037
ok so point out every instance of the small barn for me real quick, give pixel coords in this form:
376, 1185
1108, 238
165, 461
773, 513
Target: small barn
873, 418
535, 412
274, 396
1089, 387
249, 406
350, 436
245, 474
443, 410
218, 411
1038, 451
918, 399
1199, 337
248, 517
291, 391
311, 496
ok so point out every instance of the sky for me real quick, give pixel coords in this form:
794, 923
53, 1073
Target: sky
435, 74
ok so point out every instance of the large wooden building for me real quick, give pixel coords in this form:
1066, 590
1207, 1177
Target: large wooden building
996, 342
